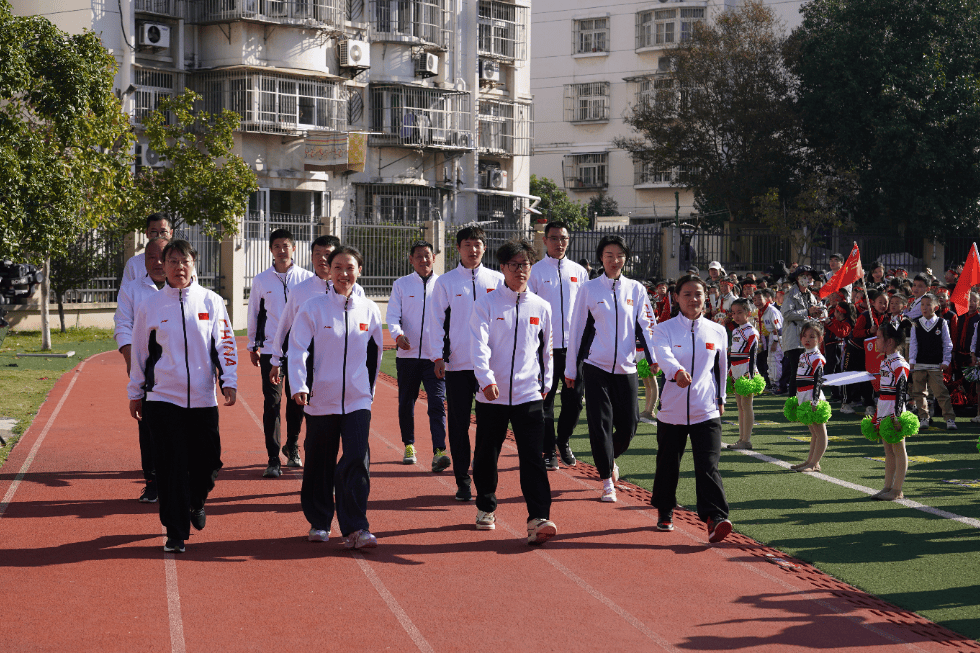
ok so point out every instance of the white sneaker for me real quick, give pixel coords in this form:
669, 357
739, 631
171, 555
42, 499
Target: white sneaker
847, 409
924, 423
951, 425
608, 491
360, 540
485, 521
318, 535
615, 472
975, 420
869, 411
540, 531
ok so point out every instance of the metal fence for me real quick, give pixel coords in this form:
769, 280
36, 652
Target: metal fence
496, 236
643, 241
385, 250
258, 227
208, 262
95, 262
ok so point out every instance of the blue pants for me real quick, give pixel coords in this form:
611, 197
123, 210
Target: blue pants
323, 475
413, 373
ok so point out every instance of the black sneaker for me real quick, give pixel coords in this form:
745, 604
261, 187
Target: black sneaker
198, 519
665, 522
463, 493
272, 471
566, 454
292, 458
149, 493
718, 529
173, 546
551, 462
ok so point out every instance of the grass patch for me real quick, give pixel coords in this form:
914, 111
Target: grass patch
26, 382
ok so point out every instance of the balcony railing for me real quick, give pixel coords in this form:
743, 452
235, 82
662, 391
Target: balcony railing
152, 86
169, 8
586, 171
502, 31
420, 117
288, 12
426, 22
505, 128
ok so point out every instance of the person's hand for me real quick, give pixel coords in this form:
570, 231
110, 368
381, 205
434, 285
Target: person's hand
491, 392
301, 398
569, 383
654, 368
274, 377
231, 396
682, 378
440, 369
944, 368
402, 342
136, 409
126, 351
254, 357
873, 329
896, 423
721, 408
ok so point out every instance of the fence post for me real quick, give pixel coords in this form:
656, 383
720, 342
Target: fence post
670, 241
232, 270
434, 231
329, 226
132, 244
539, 239
934, 256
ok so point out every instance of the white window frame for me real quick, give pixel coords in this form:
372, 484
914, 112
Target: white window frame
588, 102
586, 171
591, 35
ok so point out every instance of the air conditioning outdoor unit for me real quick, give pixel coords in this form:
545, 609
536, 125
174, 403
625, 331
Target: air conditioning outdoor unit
497, 179
155, 35
489, 70
427, 65
355, 54
146, 157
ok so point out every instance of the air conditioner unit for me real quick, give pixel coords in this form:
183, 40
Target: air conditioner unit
427, 65
489, 70
146, 157
154, 35
497, 179
355, 54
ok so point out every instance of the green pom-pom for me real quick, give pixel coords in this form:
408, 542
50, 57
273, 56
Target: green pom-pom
790, 407
643, 369
807, 414
891, 435
978, 445
747, 387
869, 430
729, 386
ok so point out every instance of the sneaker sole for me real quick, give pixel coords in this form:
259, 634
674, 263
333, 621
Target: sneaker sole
142, 500
373, 544
486, 527
317, 538
294, 464
665, 528
409, 461
721, 531
167, 549
608, 498
440, 466
543, 535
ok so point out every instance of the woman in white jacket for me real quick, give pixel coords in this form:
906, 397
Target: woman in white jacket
692, 351
611, 319
334, 357
182, 343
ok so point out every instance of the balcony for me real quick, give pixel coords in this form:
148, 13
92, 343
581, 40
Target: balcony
420, 117
305, 13
152, 86
428, 23
502, 31
168, 8
586, 171
505, 128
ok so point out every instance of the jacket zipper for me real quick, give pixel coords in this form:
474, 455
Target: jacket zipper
473, 273
513, 356
561, 296
187, 363
425, 282
616, 337
343, 387
694, 351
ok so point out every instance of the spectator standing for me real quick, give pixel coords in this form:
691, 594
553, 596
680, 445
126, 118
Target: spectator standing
158, 225
799, 305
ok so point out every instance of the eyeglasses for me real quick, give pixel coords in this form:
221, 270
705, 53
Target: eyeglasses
556, 239
179, 263
514, 267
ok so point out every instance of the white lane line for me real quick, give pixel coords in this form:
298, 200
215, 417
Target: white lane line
177, 644
967, 521
9, 496
251, 414
393, 605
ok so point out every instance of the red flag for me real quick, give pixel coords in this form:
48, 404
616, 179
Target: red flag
872, 360
850, 272
970, 277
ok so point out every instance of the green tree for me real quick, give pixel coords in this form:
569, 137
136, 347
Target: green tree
204, 183
94, 254
891, 89
601, 204
724, 118
555, 204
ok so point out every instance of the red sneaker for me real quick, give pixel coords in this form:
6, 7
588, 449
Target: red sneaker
718, 530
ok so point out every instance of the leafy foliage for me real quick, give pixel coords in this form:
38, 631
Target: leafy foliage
205, 183
555, 204
93, 254
601, 204
891, 89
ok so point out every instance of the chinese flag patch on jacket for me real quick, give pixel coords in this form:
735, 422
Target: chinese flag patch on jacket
709, 345
364, 327
535, 320
202, 316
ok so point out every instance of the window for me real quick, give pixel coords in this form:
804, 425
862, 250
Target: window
505, 128
505, 211
426, 20
586, 171
396, 204
666, 27
587, 102
152, 86
647, 174
591, 35
689, 16
413, 116
502, 30
290, 12
655, 90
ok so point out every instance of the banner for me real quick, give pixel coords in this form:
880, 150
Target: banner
872, 360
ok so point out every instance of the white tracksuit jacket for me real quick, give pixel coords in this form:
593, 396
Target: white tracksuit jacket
558, 281
700, 347
182, 343
511, 346
335, 353
135, 268
610, 320
298, 296
411, 299
267, 302
453, 298
131, 295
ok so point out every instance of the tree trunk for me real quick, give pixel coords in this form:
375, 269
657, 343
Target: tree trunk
45, 317
61, 310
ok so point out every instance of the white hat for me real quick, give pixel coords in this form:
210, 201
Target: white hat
715, 265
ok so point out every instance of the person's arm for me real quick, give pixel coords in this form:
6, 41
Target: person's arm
664, 354
300, 343
901, 387
223, 337
580, 315
437, 329
793, 309
817, 381
254, 298
375, 349
394, 314
139, 353
645, 326
753, 352
913, 349
947, 346
721, 373
545, 353
480, 345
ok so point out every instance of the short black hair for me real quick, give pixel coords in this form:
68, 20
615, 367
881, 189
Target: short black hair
611, 239
931, 297
420, 243
923, 278
743, 302
765, 292
281, 233
813, 325
346, 249
556, 224
181, 246
471, 233
515, 247
690, 278
157, 217
583, 262
891, 332
156, 239
325, 241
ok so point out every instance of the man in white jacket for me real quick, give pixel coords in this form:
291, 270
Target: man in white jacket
557, 280
512, 360
411, 296
453, 297
157, 226
131, 295
266, 302
693, 353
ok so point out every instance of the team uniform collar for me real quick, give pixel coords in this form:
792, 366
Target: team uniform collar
607, 282
177, 293
510, 295
467, 271
688, 322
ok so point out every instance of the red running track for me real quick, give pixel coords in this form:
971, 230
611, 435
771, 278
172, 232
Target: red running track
84, 567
